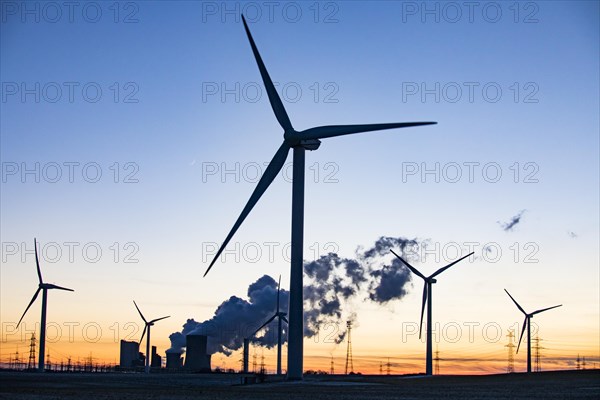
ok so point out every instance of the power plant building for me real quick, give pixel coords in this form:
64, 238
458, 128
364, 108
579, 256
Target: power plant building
174, 360
196, 358
130, 354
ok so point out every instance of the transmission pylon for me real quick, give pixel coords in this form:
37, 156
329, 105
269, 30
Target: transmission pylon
31, 362
437, 361
331, 369
537, 354
349, 362
389, 367
510, 368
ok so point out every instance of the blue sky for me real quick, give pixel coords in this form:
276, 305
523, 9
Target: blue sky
366, 58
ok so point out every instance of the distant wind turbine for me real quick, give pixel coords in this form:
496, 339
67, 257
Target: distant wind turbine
299, 141
527, 324
43, 287
147, 327
428, 281
280, 317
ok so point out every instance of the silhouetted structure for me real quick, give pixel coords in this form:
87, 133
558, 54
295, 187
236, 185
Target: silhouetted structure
31, 362
510, 368
331, 367
280, 317
300, 142
537, 354
428, 281
156, 359
42, 287
349, 362
196, 357
245, 355
527, 325
129, 356
147, 327
174, 360
437, 361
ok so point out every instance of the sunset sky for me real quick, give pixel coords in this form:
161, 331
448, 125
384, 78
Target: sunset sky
133, 133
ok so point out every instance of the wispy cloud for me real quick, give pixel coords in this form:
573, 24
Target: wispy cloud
509, 226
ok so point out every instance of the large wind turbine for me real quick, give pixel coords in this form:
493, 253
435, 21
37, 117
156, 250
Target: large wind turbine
299, 141
43, 287
280, 317
147, 327
428, 281
527, 323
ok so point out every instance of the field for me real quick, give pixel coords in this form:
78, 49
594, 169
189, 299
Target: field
546, 385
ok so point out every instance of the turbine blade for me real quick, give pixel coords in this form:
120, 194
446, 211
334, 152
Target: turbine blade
520, 308
413, 269
278, 289
265, 324
328, 131
439, 271
285, 320
143, 333
274, 99
158, 319
270, 173
30, 303
522, 332
141, 315
37, 261
423, 307
51, 286
545, 309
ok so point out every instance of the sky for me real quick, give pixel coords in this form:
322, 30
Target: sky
133, 133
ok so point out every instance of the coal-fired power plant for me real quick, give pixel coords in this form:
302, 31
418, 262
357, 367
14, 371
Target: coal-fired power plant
196, 357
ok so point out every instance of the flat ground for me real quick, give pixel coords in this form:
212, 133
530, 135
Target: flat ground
546, 385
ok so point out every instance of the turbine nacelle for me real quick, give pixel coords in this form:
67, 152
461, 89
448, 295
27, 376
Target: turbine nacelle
294, 139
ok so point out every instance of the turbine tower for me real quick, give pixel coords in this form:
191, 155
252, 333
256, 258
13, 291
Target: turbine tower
280, 317
428, 281
299, 141
527, 324
43, 287
147, 328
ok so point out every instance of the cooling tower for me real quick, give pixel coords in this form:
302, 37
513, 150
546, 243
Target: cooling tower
174, 360
196, 359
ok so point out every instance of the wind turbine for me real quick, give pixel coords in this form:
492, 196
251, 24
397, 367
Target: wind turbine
147, 327
428, 281
280, 317
43, 287
527, 323
299, 141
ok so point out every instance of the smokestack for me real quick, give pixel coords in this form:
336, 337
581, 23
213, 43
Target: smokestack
246, 350
196, 359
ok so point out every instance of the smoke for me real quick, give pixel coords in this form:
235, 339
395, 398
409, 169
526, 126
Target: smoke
389, 276
332, 283
237, 318
508, 226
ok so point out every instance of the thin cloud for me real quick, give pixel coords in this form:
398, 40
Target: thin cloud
514, 221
